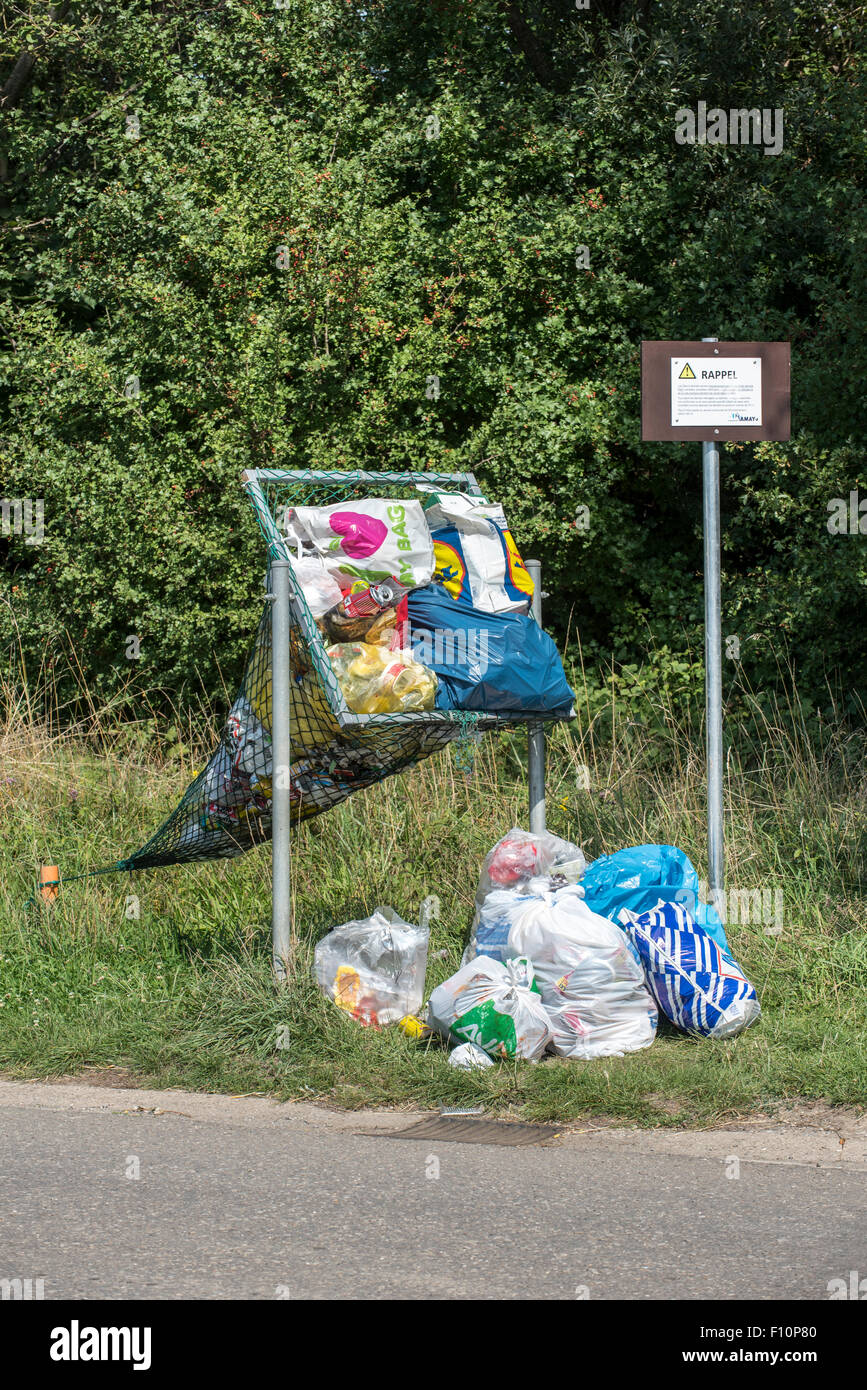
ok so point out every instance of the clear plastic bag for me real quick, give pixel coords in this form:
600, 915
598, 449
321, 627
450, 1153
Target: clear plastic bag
375, 680
374, 969
520, 866
520, 856
321, 590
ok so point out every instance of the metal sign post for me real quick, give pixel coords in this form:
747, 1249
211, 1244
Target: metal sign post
281, 900
713, 663
536, 732
710, 391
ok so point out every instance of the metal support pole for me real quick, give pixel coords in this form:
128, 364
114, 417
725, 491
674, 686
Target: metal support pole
281, 900
536, 732
713, 664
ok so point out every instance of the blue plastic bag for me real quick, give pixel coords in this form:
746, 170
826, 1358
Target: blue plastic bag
638, 877
486, 661
698, 987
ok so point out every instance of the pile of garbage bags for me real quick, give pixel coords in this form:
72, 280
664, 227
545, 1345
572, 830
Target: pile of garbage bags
424, 606
560, 959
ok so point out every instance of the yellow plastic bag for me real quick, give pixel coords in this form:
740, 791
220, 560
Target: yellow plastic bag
375, 680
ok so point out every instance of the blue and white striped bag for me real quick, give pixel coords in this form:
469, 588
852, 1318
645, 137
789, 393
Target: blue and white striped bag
697, 985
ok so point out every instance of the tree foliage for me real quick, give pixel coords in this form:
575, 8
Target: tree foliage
425, 174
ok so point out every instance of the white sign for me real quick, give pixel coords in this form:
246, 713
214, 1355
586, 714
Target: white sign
716, 391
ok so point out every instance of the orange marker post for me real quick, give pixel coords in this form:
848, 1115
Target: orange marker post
49, 886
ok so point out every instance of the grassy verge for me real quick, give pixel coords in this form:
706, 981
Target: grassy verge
182, 995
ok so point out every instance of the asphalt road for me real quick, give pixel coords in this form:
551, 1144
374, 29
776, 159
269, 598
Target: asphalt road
246, 1199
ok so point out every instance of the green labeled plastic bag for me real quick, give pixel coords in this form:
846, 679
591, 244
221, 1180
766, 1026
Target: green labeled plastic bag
495, 1006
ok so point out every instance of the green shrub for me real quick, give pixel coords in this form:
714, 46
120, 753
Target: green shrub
431, 191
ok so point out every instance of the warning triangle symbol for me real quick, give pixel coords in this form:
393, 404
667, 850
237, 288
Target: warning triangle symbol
687, 374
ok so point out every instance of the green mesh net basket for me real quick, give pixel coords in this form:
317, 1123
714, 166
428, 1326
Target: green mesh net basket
334, 751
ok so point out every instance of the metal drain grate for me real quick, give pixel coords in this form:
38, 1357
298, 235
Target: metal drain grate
466, 1130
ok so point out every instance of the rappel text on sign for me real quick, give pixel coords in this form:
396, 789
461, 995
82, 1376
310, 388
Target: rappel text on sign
717, 392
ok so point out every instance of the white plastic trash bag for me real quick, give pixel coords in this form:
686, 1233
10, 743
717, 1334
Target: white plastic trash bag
495, 1006
520, 856
591, 980
374, 969
321, 590
366, 538
494, 920
470, 1058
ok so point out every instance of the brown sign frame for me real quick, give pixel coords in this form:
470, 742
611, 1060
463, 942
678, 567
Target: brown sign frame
656, 390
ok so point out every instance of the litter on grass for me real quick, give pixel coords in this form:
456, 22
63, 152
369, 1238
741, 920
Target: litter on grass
374, 969
546, 973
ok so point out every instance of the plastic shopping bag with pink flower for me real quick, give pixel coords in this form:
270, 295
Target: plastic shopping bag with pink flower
368, 538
